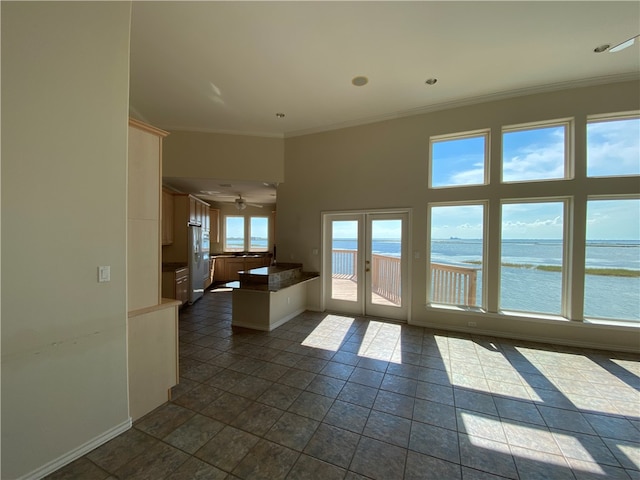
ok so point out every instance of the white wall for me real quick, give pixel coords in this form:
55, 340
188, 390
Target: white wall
222, 156
384, 165
65, 69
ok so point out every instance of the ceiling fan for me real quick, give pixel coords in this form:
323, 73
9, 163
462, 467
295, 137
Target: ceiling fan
241, 204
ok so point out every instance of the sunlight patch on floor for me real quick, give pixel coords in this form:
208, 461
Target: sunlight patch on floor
330, 333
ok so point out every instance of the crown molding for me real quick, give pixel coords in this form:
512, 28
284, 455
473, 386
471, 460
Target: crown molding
521, 92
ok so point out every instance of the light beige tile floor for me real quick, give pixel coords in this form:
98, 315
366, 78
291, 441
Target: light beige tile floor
336, 397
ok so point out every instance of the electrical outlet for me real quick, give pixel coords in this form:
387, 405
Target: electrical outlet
472, 324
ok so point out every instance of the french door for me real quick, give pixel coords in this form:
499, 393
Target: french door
365, 263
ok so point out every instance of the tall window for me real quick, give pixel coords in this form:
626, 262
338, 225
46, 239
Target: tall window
459, 160
561, 231
612, 259
456, 254
531, 262
246, 234
259, 234
234, 233
531, 153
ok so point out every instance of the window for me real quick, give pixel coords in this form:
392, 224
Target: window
531, 153
557, 236
531, 261
613, 146
456, 254
246, 234
259, 234
459, 160
612, 259
234, 233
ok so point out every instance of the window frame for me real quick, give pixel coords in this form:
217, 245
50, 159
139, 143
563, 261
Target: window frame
244, 233
249, 236
565, 280
595, 319
483, 296
246, 240
602, 118
569, 141
485, 132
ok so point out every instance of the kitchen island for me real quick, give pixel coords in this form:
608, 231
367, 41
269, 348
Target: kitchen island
267, 297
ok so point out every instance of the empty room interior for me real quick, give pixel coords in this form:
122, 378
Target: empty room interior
304, 240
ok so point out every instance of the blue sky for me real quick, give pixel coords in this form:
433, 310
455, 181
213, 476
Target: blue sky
235, 226
613, 149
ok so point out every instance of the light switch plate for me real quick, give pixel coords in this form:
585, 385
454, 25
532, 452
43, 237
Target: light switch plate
104, 273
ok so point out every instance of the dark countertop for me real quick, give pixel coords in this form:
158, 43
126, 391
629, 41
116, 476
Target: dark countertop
264, 287
173, 266
240, 255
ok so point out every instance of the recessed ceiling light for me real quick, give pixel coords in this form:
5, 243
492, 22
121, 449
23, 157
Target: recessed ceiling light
601, 48
360, 81
431, 81
280, 115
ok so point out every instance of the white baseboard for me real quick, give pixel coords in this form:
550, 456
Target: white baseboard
285, 319
78, 452
565, 342
271, 326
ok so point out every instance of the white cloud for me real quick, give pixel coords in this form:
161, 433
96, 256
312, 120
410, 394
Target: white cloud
613, 148
535, 162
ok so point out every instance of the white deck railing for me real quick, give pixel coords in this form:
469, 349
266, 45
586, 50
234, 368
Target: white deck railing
453, 285
449, 283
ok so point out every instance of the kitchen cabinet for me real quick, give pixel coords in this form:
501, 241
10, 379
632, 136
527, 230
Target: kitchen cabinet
175, 284
144, 235
152, 322
212, 271
186, 208
214, 224
227, 268
232, 267
206, 221
167, 217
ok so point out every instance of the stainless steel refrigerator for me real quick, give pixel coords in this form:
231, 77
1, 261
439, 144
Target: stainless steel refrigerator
198, 262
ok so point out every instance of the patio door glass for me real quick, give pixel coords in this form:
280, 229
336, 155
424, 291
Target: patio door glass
366, 264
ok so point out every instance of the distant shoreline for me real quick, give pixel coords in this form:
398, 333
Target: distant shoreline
605, 272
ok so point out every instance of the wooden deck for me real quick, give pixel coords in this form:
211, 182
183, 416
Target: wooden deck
345, 289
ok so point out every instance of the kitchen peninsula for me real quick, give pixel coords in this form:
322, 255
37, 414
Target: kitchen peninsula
267, 297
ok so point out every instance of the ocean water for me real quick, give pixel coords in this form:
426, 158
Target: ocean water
533, 290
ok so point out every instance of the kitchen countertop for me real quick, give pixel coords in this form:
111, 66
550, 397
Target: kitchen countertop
173, 266
273, 287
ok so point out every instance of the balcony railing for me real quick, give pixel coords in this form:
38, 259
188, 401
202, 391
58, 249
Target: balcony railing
453, 285
449, 283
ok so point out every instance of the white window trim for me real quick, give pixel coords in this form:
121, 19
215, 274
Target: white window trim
486, 133
569, 141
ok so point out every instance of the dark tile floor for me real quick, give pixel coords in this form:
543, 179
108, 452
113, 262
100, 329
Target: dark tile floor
336, 397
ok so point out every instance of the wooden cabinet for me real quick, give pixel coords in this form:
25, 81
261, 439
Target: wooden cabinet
232, 267
175, 284
206, 221
214, 225
167, 217
186, 209
143, 215
152, 322
227, 268
212, 272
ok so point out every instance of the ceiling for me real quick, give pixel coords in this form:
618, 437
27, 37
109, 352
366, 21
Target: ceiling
230, 67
